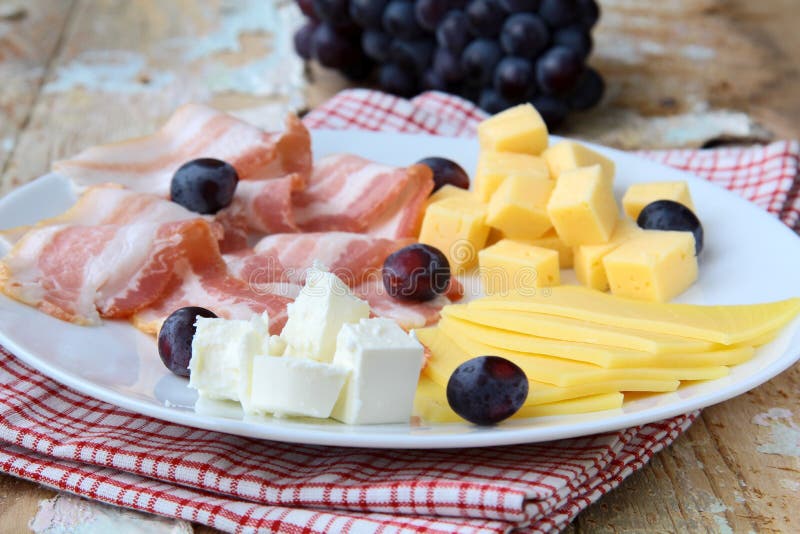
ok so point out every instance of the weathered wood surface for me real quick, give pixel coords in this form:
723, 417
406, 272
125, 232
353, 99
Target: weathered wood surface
680, 73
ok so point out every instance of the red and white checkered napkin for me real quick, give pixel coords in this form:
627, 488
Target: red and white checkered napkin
63, 439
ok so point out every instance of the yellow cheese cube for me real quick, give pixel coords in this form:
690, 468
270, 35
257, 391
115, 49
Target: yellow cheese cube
495, 167
509, 265
655, 265
450, 191
518, 129
640, 195
568, 155
495, 235
588, 259
519, 207
456, 226
582, 207
551, 240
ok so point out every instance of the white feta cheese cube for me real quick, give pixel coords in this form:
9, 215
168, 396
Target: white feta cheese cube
384, 363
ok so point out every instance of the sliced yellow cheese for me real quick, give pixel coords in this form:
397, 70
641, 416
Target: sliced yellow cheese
582, 207
495, 167
588, 259
640, 195
653, 265
509, 265
567, 329
518, 207
518, 129
456, 226
451, 191
568, 155
720, 324
551, 240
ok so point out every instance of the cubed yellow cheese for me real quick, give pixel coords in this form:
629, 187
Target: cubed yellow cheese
582, 207
568, 155
640, 195
450, 191
551, 240
588, 259
509, 265
655, 265
457, 227
495, 167
519, 207
495, 235
518, 129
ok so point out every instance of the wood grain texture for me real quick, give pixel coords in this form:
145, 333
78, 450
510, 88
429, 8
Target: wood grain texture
680, 73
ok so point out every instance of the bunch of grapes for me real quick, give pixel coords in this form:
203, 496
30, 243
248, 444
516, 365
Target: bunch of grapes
497, 53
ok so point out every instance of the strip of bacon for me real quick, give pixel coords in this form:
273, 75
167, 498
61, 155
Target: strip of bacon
261, 205
147, 164
352, 194
407, 314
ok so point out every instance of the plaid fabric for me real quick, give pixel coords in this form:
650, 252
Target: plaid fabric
60, 438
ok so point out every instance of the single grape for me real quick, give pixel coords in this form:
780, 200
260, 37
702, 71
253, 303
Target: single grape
559, 13
487, 390
399, 20
671, 215
559, 69
479, 60
493, 102
307, 8
417, 272
376, 44
204, 185
446, 171
514, 77
430, 13
453, 32
589, 13
588, 92
331, 48
524, 35
447, 65
397, 80
576, 38
368, 13
485, 17
519, 6
334, 12
432, 81
359, 67
303, 39
553, 110
175, 338
411, 55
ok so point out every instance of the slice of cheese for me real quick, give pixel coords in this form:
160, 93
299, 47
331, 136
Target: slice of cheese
640, 195
569, 155
551, 240
727, 325
517, 129
588, 259
508, 265
495, 167
518, 207
582, 207
456, 226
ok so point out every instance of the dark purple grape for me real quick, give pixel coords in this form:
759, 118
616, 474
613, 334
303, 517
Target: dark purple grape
303, 40
559, 13
575, 38
446, 171
417, 272
447, 65
671, 215
394, 79
514, 78
376, 44
399, 20
453, 32
334, 12
175, 338
524, 35
589, 13
430, 13
487, 389
558, 69
588, 92
368, 13
358, 68
519, 6
493, 102
307, 8
479, 59
331, 48
485, 17
471, 91
553, 110
432, 81
204, 185
411, 55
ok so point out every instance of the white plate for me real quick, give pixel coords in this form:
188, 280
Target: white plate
749, 257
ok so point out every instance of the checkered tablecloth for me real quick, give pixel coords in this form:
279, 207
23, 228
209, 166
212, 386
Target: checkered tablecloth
63, 439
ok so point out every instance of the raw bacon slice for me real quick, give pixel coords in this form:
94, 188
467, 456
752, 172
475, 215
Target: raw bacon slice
147, 164
261, 205
407, 314
352, 194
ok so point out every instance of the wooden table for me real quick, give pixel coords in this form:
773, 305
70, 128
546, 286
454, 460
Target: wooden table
680, 73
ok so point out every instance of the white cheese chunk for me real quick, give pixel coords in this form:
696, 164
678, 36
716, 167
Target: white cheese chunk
384, 363
325, 303
294, 386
